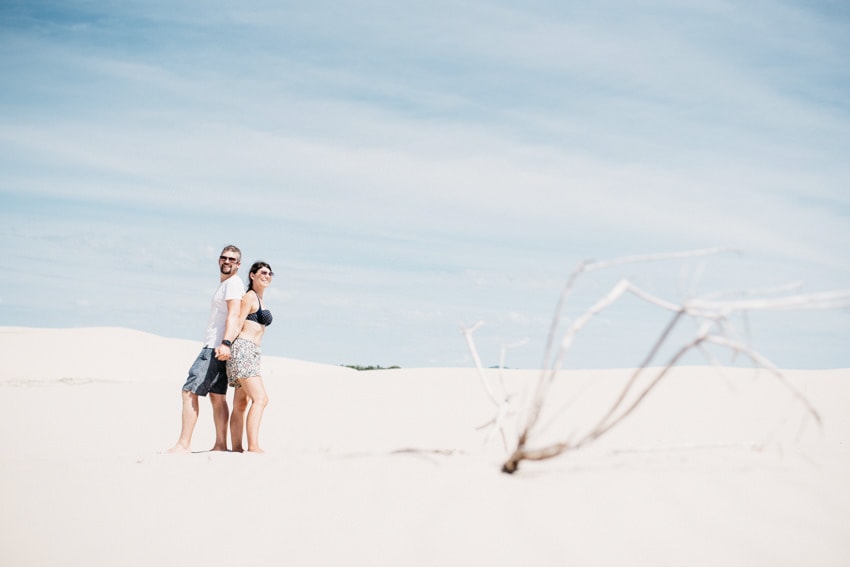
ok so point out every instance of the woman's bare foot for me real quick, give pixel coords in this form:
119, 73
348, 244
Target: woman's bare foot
177, 450
255, 450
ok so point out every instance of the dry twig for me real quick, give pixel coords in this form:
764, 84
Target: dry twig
712, 315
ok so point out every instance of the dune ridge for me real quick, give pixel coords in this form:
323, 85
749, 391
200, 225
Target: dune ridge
389, 467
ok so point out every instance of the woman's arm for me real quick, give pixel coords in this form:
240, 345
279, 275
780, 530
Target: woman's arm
249, 301
237, 311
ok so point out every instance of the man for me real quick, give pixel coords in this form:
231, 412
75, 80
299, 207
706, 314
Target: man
208, 373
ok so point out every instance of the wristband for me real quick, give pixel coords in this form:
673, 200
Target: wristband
227, 343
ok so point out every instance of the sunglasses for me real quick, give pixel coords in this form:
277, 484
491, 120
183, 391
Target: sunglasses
265, 273
230, 259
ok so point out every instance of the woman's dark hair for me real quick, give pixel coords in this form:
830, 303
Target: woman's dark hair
256, 267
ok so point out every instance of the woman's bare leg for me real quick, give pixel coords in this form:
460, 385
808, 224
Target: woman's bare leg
237, 419
256, 392
221, 413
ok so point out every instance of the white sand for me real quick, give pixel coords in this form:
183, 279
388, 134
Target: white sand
387, 468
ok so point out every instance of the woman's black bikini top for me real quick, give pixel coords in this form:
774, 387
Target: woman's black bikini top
261, 316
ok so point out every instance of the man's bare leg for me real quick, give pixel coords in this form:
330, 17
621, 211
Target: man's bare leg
189, 417
237, 419
220, 416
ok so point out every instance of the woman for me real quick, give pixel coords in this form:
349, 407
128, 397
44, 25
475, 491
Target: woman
243, 366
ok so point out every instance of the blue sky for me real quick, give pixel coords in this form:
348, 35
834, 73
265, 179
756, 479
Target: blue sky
407, 167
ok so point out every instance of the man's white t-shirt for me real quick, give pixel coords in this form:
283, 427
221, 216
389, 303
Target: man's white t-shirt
231, 288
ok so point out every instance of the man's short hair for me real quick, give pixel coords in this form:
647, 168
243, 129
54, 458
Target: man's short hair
233, 248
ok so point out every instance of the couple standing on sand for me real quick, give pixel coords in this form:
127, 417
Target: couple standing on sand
230, 355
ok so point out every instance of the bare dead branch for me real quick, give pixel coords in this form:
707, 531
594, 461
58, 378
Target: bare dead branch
825, 300
502, 403
711, 314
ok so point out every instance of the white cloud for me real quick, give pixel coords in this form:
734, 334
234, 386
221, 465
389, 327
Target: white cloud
394, 159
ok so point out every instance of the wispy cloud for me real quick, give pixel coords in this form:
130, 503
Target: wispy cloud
413, 166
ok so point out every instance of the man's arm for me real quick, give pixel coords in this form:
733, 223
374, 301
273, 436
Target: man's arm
231, 328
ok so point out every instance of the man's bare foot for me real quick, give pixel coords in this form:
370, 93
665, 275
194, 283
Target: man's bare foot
237, 450
177, 450
219, 448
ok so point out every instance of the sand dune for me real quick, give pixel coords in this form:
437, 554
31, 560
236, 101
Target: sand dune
388, 468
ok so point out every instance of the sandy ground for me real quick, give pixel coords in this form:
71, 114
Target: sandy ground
389, 468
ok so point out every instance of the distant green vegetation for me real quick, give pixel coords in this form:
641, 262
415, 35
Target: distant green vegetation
359, 367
